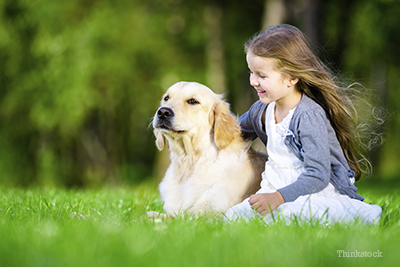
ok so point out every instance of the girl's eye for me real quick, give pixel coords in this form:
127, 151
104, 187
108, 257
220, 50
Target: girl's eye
166, 98
258, 74
193, 101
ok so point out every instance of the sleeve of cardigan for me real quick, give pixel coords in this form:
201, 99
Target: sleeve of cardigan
313, 135
248, 122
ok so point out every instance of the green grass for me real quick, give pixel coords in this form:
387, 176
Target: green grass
105, 227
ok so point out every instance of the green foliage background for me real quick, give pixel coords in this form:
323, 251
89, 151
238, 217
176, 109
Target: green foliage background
80, 80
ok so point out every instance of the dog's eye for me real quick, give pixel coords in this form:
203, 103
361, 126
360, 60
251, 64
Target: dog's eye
166, 98
193, 101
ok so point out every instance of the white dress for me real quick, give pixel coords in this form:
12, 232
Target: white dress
282, 169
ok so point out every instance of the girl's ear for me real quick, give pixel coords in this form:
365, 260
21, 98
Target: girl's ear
226, 126
160, 139
293, 81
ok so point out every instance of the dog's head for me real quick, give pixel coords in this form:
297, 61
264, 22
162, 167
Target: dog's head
192, 109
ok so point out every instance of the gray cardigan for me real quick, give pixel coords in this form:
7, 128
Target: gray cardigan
313, 140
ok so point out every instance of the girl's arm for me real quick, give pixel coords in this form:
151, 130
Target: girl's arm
251, 122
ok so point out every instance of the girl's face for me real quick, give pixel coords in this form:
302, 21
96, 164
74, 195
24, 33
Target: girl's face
270, 85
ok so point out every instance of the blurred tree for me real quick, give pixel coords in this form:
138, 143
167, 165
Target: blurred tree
80, 80
215, 69
275, 12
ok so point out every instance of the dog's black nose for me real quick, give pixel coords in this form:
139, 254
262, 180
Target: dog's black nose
165, 113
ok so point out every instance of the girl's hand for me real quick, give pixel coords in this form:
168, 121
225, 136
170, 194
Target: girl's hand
265, 203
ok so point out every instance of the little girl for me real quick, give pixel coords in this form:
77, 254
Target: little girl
304, 118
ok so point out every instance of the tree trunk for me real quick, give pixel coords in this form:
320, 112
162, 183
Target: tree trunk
274, 13
215, 72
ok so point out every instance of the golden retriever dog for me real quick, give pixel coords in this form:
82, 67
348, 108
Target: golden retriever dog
212, 167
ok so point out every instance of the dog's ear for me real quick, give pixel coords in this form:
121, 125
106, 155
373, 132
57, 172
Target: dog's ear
226, 126
160, 139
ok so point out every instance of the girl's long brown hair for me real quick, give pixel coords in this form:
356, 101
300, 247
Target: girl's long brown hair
288, 47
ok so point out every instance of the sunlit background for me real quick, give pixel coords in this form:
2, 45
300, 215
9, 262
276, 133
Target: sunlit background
81, 79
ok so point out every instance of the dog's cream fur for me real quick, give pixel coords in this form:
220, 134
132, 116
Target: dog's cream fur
212, 168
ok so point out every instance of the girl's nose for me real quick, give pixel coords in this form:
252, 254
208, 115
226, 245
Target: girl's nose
253, 80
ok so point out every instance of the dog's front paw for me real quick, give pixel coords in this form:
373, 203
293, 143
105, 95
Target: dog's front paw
156, 215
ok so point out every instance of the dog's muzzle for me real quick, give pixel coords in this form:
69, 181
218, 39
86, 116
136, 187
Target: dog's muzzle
164, 116
165, 113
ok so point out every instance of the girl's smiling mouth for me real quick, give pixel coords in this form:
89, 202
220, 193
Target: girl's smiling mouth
260, 92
